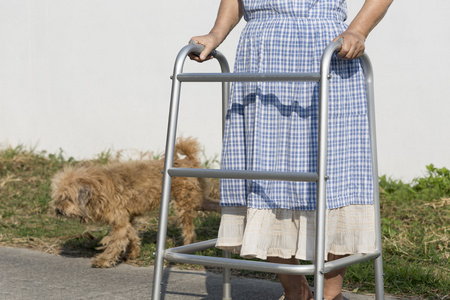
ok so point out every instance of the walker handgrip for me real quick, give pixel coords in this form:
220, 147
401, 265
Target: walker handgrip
199, 48
341, 42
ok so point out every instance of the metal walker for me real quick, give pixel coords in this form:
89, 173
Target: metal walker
319, 267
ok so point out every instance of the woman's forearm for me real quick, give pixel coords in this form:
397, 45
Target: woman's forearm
369, 16
229, 15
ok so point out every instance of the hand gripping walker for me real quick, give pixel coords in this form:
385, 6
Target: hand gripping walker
319, 267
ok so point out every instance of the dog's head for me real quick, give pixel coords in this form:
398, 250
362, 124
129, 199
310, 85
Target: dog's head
71, 194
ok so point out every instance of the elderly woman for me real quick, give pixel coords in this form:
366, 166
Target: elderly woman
272, 126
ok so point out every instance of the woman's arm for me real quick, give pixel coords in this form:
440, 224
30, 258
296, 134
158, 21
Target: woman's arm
356, 34
229, 15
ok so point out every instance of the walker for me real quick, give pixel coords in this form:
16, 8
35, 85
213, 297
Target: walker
319, 267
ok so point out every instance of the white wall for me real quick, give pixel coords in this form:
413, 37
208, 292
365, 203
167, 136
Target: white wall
89, 75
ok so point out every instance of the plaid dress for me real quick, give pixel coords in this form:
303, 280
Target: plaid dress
273, 126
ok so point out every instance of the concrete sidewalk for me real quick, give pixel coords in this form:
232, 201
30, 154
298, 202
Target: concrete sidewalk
27, 274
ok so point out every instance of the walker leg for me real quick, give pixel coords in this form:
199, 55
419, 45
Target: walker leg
321, 203
379, 282
163, 220
378, 262
167, 180
226, 279
318, 286
160, 248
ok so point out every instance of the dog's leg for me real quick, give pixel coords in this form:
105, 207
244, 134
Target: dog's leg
104, 242
134, 248
116, 245
185, 208
186, 219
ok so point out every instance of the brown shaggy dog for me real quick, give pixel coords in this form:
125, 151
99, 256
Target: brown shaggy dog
117, 193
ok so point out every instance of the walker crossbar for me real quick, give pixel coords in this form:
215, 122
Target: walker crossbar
240, 174
319, 267
183, 255
248, 77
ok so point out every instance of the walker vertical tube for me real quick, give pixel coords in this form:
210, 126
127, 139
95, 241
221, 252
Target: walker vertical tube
378, 262
321, 202
169, 153
167, 180
226, 282
225, 68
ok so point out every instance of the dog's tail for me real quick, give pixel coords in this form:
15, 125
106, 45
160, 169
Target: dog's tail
188, 147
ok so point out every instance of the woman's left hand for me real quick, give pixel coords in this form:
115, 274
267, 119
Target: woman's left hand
355, 36
353, 44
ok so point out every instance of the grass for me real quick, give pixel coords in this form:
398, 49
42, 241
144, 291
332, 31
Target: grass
415, 225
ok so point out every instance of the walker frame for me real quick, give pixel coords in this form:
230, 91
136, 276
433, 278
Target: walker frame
319, 267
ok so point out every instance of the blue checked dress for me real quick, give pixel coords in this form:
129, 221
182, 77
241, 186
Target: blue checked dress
274, 127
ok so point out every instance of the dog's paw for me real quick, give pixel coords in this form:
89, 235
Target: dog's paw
103, 263
132, 253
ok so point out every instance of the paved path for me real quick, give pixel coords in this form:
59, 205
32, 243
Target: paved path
27, 274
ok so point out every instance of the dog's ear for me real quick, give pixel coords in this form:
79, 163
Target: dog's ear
84, 195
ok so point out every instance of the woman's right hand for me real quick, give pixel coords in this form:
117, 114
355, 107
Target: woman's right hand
210, 41
230, 12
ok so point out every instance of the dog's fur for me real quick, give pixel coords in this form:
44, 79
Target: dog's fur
117, 193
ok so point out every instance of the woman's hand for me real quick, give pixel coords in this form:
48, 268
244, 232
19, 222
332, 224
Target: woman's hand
355, 36
353, 44
210, 41
230, 12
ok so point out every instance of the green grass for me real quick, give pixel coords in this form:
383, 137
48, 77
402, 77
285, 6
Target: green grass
415, 225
